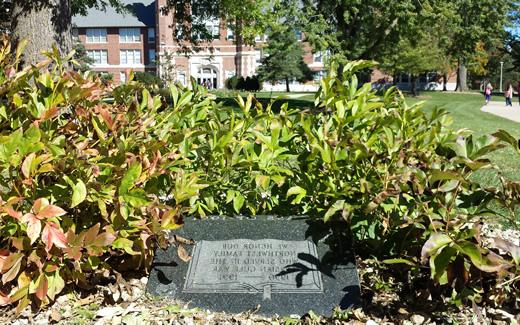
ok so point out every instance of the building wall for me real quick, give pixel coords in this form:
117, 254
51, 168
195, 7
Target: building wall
113, 48
223, 56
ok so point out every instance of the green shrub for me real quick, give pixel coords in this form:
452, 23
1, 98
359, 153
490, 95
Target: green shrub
232, 83
87, 186
148, 79
247, 84
81, 179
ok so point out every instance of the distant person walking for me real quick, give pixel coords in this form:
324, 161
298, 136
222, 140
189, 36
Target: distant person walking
508, 93
487, 91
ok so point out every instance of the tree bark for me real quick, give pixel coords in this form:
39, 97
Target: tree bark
239, 46
462, 77
414, 85
287, 85
43, 23
445, 83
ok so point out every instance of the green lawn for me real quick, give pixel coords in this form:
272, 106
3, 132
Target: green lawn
464, 109
466, 113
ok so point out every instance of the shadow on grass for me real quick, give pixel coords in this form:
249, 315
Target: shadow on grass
293, 103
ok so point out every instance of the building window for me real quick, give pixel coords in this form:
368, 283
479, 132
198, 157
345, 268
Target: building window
129, 35
151, 35
258, 56
122, 77
96, 35
298, 35
213, 28
130, 57
151, 56
75, 35
319, 75
99, 56
318, 57
181, 77
230, 34
208, 77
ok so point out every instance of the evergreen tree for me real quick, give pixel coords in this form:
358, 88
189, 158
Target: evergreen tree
284, 59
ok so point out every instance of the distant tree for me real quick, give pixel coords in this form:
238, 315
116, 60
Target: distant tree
360, 29
469, 23
167, 67
415, 58
284, 59
82, 59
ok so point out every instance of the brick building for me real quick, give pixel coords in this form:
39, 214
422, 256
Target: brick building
139, 39
120, 42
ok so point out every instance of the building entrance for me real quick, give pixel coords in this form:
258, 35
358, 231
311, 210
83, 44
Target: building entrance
208, 77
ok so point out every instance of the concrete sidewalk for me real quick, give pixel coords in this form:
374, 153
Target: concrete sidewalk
500, 109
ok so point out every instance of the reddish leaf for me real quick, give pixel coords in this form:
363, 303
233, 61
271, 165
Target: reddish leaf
104, 239
53, 235
107, 118
26, 165
75, 240
50, 113
17, 243
91, 234
74, 252
34, 226
4, 253
39, 204
11, 267
183, 253
43, 286
11, 212
50, 211
4, 300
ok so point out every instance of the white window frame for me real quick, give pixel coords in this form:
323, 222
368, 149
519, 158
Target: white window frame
230, 34
258, 56
124, 56
96, 35
213, 27
318, 57
130, 35
122, 77
181, 77
100, 57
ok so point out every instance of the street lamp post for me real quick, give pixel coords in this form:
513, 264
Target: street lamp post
501, 68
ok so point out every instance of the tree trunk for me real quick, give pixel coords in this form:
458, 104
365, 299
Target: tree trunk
462, 76
414, 85
445, 83
287, 85
239, 45
43, 23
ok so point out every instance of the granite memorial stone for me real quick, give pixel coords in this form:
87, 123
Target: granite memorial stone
280, 266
